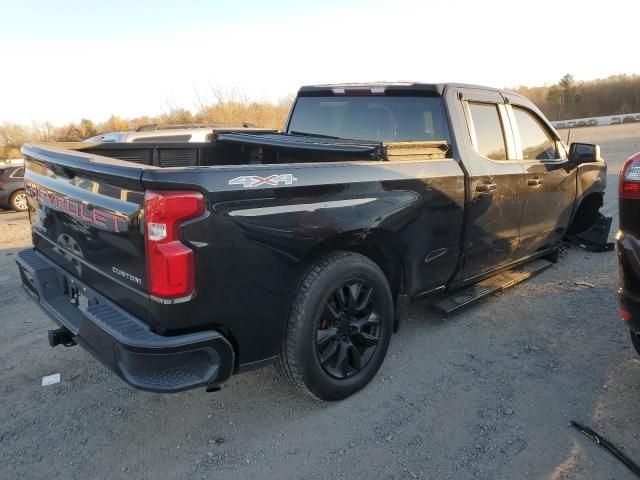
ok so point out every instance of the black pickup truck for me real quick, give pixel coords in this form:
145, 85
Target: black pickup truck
179, 264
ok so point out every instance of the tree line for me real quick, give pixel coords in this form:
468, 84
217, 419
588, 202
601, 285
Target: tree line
568, 99
230, 107
564, 100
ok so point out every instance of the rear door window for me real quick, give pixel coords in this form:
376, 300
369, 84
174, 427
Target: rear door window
489, 133
537, 144
19, 173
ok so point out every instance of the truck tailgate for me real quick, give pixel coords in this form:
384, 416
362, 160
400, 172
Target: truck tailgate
86, 216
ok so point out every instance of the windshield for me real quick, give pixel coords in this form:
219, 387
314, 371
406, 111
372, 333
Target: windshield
374, 118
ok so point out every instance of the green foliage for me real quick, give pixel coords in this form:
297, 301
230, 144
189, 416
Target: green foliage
87, 128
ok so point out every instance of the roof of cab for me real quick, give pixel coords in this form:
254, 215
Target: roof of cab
402, 85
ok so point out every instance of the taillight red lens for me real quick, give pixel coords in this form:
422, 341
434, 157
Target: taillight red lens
170, 263
629, 182
625, 314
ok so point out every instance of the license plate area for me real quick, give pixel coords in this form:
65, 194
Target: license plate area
76, 294
60, 295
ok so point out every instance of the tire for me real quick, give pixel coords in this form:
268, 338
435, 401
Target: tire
18, 201
635, 340
339, 327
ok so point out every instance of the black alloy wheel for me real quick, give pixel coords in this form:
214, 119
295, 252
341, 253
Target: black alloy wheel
339, 328
348, 330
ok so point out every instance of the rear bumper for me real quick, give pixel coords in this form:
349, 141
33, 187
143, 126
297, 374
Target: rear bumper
630, 303
120, 341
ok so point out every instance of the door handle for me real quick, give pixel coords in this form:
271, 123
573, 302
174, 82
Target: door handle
486, 187
533, 182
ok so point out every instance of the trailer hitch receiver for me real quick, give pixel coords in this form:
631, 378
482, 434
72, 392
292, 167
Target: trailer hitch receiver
61, 336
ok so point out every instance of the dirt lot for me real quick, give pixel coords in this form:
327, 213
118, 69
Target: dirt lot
487, 394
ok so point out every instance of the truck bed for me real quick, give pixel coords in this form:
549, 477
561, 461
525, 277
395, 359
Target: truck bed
235, 148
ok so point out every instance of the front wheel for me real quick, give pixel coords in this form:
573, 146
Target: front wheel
635, 339
18, 201
339, 327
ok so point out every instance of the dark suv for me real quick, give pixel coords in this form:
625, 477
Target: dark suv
12, 193
628, 246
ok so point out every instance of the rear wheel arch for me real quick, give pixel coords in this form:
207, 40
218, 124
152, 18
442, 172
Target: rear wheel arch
378, 246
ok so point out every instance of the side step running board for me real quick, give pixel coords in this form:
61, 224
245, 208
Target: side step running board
476, 292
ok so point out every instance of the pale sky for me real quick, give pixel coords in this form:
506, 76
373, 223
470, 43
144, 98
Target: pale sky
65, 60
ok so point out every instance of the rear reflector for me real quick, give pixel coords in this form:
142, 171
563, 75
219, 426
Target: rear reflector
170, 263
629, 182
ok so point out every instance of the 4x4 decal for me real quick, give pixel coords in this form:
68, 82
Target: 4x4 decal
250, 181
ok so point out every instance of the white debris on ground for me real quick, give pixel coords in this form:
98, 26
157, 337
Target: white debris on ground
50, 379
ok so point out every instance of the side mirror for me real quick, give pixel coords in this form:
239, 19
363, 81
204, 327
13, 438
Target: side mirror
584, 152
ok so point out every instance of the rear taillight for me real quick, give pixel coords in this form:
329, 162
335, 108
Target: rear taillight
629, 182
625, 314
170, 263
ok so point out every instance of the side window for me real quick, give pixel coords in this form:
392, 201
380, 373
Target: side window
488, 128
536, 142
19, 173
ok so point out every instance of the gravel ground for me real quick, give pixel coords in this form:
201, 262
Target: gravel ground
487, 394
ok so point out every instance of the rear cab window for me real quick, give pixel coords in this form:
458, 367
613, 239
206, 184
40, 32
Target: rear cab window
379, 118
